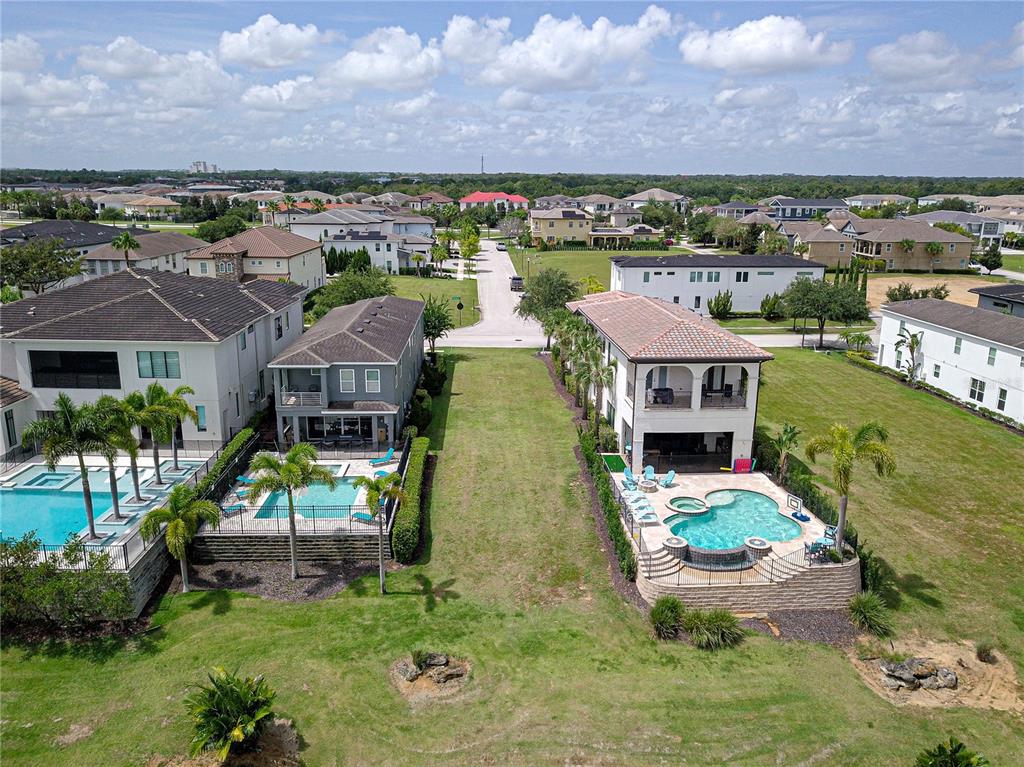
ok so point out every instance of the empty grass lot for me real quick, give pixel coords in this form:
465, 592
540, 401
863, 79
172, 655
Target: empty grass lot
564, 672
1014, 263
578, 264
410, 286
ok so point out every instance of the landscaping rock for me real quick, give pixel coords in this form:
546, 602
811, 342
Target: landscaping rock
437, 659
891, 684
917, 673
947, 678
442, 674
931, 683
407, 671
921, 667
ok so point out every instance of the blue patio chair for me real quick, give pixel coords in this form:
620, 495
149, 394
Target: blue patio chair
242, 493
668, 478
830, 532
630, 476
388, 457
380, 473
649, 473
627, 485
234, 508
363, 516
244, 479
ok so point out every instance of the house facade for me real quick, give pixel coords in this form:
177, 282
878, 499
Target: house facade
638, 200
160, 251
552, 225
974, 354
16, 412
1007, 298
804, 209
685, 390
886, 239
265, 253
735, 209
352, 376
877, 200
690, 281
502, 201
119, 333
604, 236
598, 203
983, 229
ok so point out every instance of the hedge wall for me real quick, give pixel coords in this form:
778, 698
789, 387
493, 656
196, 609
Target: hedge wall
609, 506
405, 533
230, 452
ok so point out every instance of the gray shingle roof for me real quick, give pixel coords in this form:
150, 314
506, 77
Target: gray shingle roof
11, 392
683, 261
1008, 291
970, 320
153, 245
146, 305
75, 234
810, 202
373, 330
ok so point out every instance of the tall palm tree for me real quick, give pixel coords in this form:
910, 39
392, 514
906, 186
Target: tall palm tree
381, 488
180, 409
934, 250
297, 471
418, 259
159, 419
123, 431
907, 245
73, 430
785, 441
846, 448
912, 342
289, 203
110, 411
125, 243
183, 515
318, 205
601, 375
590, 284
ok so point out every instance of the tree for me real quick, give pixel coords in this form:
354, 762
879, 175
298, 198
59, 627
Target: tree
992, 257
784, 442
952, 754
384, 488
351, 286
110, 411
912, 343
801, 249
417, 258
38, 265
72, 430
111, 214
907, 245
218, 229
318, 205
701, 227
934, 251
846, 448
297, 471
179, 408
771, 307
590, 285
182, 515
773, 244
120, 420
232, 711
727, 230
601, 375
720, 305
437, 319
125, 243
824, 301
855, 339
154, 414
469, 242
547, 291
511, 227
9, 294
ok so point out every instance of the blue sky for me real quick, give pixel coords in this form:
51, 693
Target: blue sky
890, 88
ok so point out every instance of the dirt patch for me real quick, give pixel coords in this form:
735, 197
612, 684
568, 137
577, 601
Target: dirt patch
958, 284
273, 580
277, 747
75, 733
425, 689
980, 685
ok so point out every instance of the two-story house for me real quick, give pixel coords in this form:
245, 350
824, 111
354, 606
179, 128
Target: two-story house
82, 237
119, 333
352, 376
553, 225
656, 194
501, 200
804, 209
983, 229
598, 203
160, 251
684, 395
266, 253
1007, 298
904, 244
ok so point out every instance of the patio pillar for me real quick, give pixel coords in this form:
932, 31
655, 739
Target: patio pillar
295, 429
697, 371
280, 430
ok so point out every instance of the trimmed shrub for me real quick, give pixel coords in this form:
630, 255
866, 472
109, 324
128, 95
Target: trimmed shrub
712, 629
609, 506
405, 533
227, 456
984, 652
667, 616
229, 713
720, 305
419, 659
422, 410
432, 378
868, 611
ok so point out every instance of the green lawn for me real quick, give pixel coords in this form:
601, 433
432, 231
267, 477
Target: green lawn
786, 326
564, 671
1013, 263
577, 263
414, 287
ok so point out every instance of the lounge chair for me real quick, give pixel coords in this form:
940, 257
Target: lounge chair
245, 480
233, 508
388, 457
667, 480
241, 493
645, 517
830, 532
380, 473
626, 485
363, 516
628, 472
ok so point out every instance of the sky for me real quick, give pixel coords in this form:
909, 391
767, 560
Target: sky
908, 88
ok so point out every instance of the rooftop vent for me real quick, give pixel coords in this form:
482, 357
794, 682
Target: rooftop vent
359, 330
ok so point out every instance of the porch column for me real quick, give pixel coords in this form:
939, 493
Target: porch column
697, 371
375, 421
280, 430
637, 459
295, 429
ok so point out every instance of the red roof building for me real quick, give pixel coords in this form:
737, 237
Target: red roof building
500, 200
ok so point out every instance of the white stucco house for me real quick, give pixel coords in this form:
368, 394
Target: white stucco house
974, 354
692, 280
119, 333
685, 389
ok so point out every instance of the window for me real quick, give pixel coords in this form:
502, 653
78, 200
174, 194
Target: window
957, 345
899, 358
200, 417
221, 267
158, 365
952, 247
888, 247
675, 299
696, 302
936, 370
348, 381
991, 355
277, 264
977, 390
647, 276
372, 381
657, 274
742, 276
238, 406
805, 274
765, 274
376, 247
891, 263
204, 268
287, 324
903, 325
714, 276
251, 328
842, 247
551, 224
278, 329
696, 276
11, 432
671, 274
1001, 401
241, 342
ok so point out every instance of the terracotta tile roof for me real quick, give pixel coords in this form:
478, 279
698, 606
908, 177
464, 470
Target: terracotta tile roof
970, 320
648, 329
152, 245
493, 197
11, 392
261, 242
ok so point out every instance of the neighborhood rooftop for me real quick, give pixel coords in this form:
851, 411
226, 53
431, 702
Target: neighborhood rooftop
1008, 291
683, 261
153, 245
75, 234
970, 320
146, 305
262, 242
650, 329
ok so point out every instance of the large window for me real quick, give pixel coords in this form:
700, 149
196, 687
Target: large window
372, 381
348, 381
742, 276
977, 390
74, 370
158, 365
1001, 399
200, 418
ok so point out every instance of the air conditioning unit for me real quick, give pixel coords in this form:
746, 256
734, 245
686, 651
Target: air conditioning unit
252, 396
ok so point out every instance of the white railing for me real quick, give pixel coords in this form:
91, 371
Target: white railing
301, 398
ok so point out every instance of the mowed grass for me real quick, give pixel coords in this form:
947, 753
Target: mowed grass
950, 521
410, 286
578, 264
1014, 263
513, 578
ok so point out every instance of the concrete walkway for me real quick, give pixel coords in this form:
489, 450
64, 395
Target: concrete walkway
1010, 275
500, 327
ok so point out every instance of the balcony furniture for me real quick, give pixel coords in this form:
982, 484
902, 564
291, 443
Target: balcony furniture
668, 478
728, 391
649, 473
662, 396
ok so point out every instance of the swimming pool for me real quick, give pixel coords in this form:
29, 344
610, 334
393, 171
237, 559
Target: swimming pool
317, 501
734, 516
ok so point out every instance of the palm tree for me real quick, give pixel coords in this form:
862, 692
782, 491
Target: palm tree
183, 515
590, 284
180, 409
912, 342
381, 488
125, 243
297, 471
289, 203
159, 419
73, 430
417, 258
801, 249
867, 443
601, 375
318, 205
784, 442
111, 412
934, 250
907, 245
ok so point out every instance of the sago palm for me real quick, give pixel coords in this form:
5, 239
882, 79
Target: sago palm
387, 488
297, 471
847, 448
231, 712
183, 515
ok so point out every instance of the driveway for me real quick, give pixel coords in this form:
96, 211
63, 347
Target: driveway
500, 327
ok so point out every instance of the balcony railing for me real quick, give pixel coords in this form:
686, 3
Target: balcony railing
47, 380
301, 399
723, 400
666, 398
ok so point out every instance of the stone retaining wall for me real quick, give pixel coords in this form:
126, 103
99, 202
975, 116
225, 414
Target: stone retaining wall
311, 548
147, 572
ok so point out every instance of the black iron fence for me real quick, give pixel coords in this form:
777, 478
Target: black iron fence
123, 552
309, 520
222, 483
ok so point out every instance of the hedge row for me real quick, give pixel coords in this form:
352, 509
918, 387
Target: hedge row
230, 452
405, 533
609, 506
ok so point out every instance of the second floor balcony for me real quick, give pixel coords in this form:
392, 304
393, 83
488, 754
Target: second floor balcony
300, 398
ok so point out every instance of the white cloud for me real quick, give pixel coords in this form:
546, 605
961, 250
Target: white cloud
769, 45
1015, 59
515, 99
195, 79
1010, 123
413, 107
124, 58
759, 96
267, 43
388, 58
20, 54
297, 94
927, 60
54, 93
563, 54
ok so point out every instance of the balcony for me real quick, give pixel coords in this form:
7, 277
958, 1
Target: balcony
665, 398
723, 399
301, 399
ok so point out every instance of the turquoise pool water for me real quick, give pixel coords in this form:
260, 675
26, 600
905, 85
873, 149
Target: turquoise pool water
333, 504
734, 516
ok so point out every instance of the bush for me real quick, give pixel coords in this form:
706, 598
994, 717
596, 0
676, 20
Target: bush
877, 575
230, 710
713, 629
868, 611
609, 506
419, 659
667, 616
771, 307
409, 432
422, 410
405, 533
985, 652
608, 440
224, 460
720, 305
952, 754
432, 378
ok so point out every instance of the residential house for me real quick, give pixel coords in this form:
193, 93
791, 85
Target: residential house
598, 203
804, 209
352, 376
638, 200
555, 201
1012, 221
115, 201
151, 208
334, 221
17, 412
883, 238
825, 245
397, 199
119, 333
972, 353
604, 236
265, 253
83, 237
735, 209
159, 251
500, 200
388, 251
983, 229
684, 396
1006, 299
428, 200
760, 219
553, 225
877, 200
935, 199
625, 216
691, 280
1013, 202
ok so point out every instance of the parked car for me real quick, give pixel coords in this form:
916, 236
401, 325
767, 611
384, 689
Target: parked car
501, 246
516, 283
